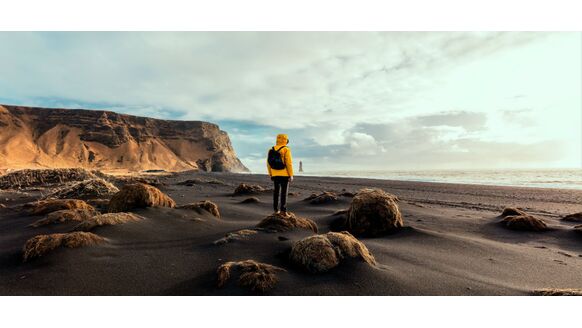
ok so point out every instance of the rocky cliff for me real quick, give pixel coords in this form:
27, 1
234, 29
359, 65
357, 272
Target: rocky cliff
48, 137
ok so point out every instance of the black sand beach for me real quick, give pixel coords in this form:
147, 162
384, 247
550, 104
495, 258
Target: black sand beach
452, 243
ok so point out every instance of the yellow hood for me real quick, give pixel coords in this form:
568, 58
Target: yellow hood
282, 139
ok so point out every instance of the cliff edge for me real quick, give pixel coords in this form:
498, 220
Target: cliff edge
32, 137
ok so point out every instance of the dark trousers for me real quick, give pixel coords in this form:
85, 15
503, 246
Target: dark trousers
281, 187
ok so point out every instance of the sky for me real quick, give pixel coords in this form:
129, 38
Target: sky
348, 101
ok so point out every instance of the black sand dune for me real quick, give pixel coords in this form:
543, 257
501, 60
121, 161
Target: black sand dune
452, 243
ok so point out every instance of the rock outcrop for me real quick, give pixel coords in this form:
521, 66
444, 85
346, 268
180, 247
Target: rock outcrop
47, 137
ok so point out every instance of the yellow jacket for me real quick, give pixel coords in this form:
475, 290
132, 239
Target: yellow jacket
282, 140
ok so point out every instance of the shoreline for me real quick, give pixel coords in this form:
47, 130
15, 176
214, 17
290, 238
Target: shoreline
568, 185
380, 179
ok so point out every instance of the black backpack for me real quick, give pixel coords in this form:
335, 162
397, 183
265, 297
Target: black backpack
275, 159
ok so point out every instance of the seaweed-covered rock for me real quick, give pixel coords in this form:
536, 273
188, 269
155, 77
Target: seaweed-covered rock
516, 219
252, 274
204, 205
107, 219
43, 244
323, 198
63, 216
88, 189
524, 222
279, 222
237, 235
512, 211
248, 189
373, 212
321, 253
42, 207
139, 195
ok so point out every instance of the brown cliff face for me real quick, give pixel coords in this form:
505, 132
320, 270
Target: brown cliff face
47, 137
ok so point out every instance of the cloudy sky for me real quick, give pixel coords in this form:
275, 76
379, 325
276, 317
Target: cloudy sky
347, 100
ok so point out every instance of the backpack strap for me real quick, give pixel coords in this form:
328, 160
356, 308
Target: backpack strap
279, 148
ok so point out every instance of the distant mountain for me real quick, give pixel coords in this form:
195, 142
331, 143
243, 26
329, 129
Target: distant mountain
33, 137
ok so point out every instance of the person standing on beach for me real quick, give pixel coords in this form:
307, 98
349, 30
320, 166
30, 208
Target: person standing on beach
280, 167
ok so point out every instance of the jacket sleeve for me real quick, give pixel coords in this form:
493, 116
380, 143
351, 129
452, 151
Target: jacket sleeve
289, 162
268, 166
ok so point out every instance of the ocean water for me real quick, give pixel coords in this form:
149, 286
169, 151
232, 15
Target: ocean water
540, 178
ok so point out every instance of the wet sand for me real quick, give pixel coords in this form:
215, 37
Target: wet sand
452, 244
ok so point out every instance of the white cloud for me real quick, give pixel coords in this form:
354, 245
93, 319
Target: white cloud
363, 144
321, 85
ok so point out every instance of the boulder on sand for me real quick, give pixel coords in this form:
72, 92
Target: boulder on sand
204, 205
63, 216
51, 205
321, 253
139, 195
373, 212
254, 275
517, 219
248, 189
88, 189
279, 223
42, 244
